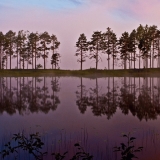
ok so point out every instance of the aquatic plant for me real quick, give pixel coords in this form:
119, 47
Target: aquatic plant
128, 150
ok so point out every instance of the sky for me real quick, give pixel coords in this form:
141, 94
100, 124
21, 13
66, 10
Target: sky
67, 19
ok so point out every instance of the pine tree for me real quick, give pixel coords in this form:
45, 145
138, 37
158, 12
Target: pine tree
45, 40
132, 46
145, 45
82, 47
108, 44
139, 38
96, 45
33, 44
55, 55
157, 44
9, 44
124, 48
1, 48
114, 43
152, 39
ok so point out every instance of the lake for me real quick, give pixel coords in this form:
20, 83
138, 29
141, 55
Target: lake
95, 112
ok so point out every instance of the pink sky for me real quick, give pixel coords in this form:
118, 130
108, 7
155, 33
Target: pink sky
69, 22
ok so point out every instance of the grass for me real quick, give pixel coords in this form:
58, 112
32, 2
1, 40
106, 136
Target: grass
84, 73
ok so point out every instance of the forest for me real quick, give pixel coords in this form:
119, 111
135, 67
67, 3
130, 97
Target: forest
126, 52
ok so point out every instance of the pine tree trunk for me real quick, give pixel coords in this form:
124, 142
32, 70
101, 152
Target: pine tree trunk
158, 55
23, 63
96, 59
6, 61
81, 59
153, 56
113, 61
0, 58
35, 55
139, 59
32, 56
131, 60
10, 60
17, 57
113, 56
150, 58
108, 62
134, 59
125, 64
44, 60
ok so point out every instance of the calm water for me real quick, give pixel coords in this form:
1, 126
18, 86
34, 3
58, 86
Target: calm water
95, 112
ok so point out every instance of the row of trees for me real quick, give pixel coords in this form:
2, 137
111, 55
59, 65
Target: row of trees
27, 47
142, 43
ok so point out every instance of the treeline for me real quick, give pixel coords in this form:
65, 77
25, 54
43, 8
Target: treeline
26, 48
128, 51
142, 44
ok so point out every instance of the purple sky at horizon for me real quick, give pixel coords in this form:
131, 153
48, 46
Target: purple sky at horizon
67, 19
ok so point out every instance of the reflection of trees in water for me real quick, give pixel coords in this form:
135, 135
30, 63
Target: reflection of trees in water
100, 103
55, 90
148, 104
127, 98
28, 95
141, 98
82, 98
6, 98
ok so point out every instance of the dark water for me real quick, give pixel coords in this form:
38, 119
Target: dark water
95, 112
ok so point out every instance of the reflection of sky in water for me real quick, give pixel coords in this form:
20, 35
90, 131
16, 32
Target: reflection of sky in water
68, 117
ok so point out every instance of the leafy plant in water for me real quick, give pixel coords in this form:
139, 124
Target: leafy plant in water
58, 156
32, 144
80, 154
128, 150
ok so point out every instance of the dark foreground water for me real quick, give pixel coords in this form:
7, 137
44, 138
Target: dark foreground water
94, 112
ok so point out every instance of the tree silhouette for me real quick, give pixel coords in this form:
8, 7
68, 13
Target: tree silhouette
1, 48
96, 45
132, 48
55, 55
82, 98
33, 44
114, 42
108, 44
9, 44
124, 48
45, 40
82, 47
55, 90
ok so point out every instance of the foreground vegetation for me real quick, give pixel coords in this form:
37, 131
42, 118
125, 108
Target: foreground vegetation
33, 145
84, 73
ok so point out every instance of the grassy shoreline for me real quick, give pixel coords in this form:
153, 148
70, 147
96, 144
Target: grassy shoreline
84, 73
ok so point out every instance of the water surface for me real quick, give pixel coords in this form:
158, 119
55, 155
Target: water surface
95, 112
